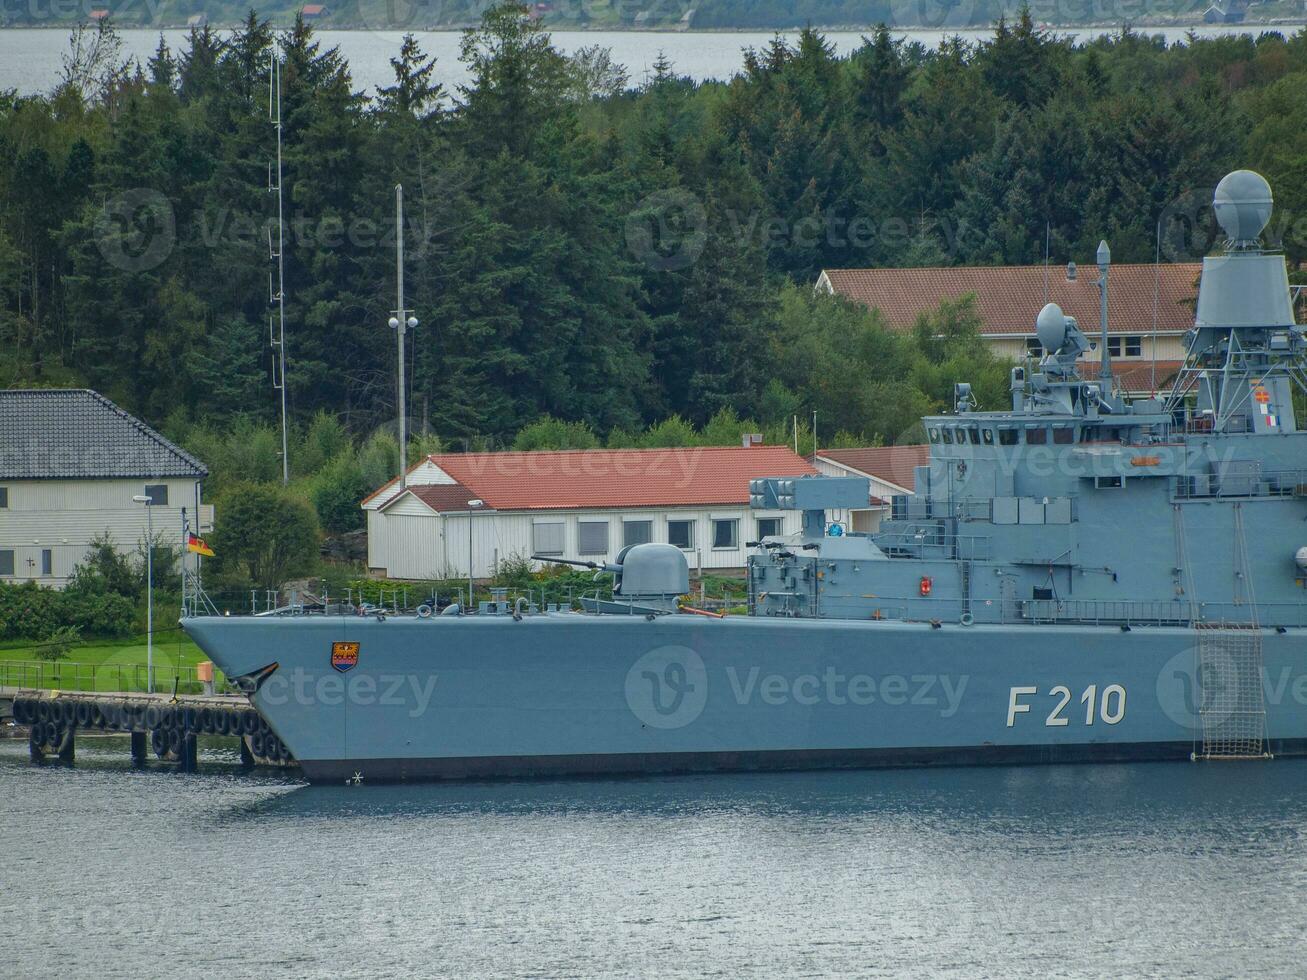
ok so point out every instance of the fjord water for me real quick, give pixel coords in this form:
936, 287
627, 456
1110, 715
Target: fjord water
1148, 869
31, 60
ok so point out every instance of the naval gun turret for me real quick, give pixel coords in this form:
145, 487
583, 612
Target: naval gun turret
647, 578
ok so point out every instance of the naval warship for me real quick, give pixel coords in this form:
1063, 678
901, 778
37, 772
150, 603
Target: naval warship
1081, 577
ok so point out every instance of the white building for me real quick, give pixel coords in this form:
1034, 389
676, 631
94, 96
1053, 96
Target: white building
891, 470
585, 504
70, 463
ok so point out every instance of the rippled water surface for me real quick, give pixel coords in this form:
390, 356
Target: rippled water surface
1173, 869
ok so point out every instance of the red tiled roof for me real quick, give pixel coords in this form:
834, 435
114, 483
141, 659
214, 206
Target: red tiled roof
893, 464
577, 479
313, 9
1008, 298
1136, 377
443, 497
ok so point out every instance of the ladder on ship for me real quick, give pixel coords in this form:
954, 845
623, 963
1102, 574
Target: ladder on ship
1228, 665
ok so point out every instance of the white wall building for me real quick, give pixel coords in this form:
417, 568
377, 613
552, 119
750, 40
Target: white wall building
585, 504
70, 463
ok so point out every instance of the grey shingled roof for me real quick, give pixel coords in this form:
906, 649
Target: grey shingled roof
77, 434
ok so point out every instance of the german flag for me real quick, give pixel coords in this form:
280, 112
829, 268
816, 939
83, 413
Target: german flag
198, 546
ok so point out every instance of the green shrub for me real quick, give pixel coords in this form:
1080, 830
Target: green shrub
337, 492
31, 612
58, 643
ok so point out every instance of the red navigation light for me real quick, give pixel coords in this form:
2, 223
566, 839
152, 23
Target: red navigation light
926, 583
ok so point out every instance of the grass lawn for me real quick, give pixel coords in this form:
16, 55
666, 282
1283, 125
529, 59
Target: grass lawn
105, 665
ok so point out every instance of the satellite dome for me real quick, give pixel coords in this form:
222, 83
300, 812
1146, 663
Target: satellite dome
1050, 325
1243, 206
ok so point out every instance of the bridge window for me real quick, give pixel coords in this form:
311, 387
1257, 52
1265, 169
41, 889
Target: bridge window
987, 436
974, 436
1007, 437
1107, 482
1036, 437
1064, 435
948, 436
934, 434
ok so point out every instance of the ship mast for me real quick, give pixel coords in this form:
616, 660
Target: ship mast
1245, 352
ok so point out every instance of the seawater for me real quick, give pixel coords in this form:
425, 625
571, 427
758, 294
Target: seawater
31, 60
1147, 869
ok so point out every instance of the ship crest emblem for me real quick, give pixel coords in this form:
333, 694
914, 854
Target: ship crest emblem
344, 655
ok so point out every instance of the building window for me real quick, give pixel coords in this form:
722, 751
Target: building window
1131, 346
1036, 437
1033, 349
592, 537
47, 561
6, 563
4, 497
681, 534
769, 527
547, 537
158, 494
636, 532
726, 533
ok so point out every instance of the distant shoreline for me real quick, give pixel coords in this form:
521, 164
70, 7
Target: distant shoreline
324, 27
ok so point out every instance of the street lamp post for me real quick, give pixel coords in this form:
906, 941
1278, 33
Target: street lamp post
472, 505
149, 590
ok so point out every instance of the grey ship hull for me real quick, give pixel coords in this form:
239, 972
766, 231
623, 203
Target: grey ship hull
574, 694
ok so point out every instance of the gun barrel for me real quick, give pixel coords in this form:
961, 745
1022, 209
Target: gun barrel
554, 559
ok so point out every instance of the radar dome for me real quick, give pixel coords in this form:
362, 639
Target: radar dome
1243, 206
1050, 325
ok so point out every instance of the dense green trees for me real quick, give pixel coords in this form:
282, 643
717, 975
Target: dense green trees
619, 265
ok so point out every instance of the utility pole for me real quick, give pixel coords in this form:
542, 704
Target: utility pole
279, 372
401, 324
149, 590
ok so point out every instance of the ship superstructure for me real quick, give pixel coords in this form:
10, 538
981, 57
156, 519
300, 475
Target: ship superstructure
1076, 577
